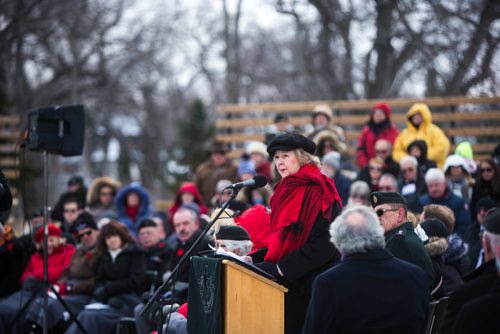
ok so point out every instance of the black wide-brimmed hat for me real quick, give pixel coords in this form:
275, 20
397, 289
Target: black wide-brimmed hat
290, 142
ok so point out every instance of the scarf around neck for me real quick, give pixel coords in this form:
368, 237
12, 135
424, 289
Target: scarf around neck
296, 203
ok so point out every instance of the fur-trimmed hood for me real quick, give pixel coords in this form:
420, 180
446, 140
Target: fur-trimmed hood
325, 135
436, 246
97, 184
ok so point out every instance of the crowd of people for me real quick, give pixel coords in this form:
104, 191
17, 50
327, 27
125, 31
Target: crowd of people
355, 240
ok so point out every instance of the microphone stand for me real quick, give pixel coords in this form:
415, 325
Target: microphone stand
156, 296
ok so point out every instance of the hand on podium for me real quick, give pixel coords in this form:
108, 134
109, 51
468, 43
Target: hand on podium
268, 267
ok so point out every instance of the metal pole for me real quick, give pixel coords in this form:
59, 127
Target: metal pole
45, 240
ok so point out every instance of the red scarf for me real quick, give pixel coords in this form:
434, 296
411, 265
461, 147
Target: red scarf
132, 212
296, 203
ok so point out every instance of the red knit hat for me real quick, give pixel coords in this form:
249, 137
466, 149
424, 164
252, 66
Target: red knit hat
384, 107
53, 231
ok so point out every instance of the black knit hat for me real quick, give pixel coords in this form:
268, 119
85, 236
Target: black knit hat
492, 221
85, 220
232, 232
290, 142
434, 228
387, 197
146, 222
484, 203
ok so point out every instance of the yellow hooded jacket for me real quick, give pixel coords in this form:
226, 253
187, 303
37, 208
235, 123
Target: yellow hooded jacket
437, 142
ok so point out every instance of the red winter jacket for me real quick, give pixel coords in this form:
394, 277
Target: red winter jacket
57, 262
368, 137
257, 222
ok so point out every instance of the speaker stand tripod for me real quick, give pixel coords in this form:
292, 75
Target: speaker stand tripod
46, 286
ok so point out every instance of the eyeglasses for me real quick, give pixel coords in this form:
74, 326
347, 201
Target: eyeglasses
378, 169
81, 235
70, 210
361, 196
380, 212
385, 188
381, 151
487, 170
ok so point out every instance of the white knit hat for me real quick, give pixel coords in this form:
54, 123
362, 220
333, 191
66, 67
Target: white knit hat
257, 147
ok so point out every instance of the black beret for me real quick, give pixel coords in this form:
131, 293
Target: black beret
232, 232
289, 142
146, 222
434, 228
492, 221
85, 220
386, 197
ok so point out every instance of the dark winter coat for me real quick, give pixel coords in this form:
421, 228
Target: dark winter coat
367, 293
123, 275
424, 164
477, 284
480, 190
80, 273
404, 244
13, 260
436, 247
413, 198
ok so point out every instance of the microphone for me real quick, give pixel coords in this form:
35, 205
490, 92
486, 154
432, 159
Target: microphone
258, 181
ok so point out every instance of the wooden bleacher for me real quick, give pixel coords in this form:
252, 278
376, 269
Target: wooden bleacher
475, 119
10, 126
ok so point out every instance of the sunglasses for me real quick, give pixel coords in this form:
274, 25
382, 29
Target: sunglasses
380, 212
378, 169
70, 210
487, 170
81, 235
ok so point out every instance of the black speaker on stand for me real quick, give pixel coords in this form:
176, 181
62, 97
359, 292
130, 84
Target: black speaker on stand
56, 130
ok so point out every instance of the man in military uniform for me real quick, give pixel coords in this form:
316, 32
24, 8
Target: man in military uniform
400, 238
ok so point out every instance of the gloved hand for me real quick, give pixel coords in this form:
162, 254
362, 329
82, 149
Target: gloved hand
268, 267
100, 294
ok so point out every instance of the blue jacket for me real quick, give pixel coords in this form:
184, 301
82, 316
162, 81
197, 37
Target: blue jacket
145, 209
459, 207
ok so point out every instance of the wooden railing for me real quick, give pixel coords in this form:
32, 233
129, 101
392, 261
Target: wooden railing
475, 119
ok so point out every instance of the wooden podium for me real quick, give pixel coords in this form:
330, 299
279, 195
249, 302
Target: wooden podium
250, 302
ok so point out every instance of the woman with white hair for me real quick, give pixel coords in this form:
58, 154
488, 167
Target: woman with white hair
457, 174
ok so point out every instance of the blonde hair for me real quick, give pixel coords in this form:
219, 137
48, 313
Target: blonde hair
307, 158
441, 212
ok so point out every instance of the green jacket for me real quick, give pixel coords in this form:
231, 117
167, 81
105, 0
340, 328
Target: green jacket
405, 244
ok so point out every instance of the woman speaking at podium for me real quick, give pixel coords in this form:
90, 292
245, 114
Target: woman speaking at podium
303, 205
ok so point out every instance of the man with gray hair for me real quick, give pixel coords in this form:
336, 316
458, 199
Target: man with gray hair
438, 193
363, 280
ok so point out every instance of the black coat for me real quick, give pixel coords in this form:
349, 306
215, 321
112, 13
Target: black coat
182, 248
299, 269
477, 284
13, 260
481, 314
369, 292
404, 244
125, 274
